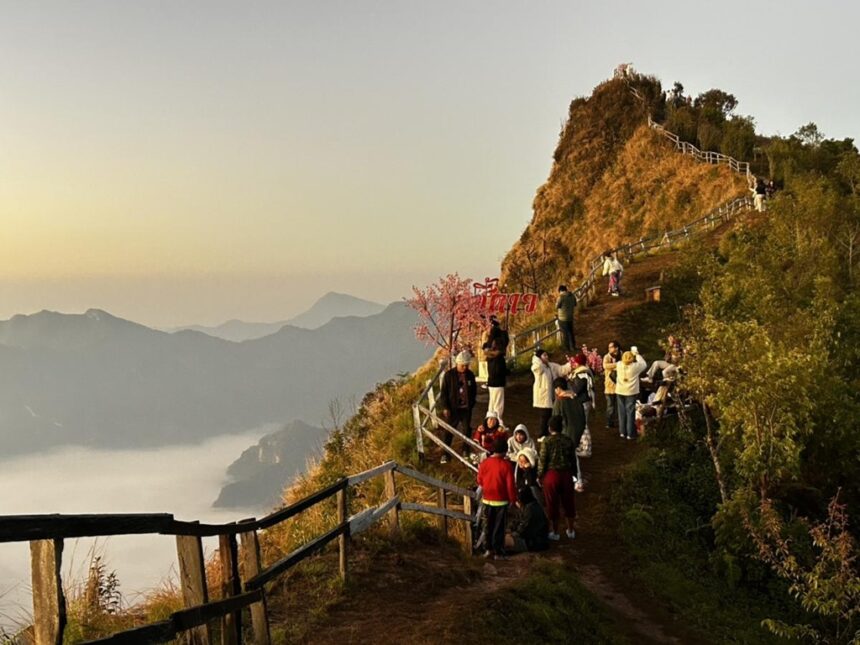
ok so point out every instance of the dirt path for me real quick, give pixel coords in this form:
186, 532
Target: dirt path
409, 608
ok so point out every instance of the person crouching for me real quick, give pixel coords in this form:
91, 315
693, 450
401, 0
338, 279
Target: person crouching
496, 479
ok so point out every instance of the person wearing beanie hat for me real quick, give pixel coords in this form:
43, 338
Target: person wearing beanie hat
496, 479
545, 372
489, 431
519, 440
457, 400
627, 373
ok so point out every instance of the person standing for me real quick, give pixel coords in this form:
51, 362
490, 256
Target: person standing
545, 372
497, 376
614, 269
582, 383
609, 376
564, 313
627, 391
556, 468
570, 397
496, 479
457, 400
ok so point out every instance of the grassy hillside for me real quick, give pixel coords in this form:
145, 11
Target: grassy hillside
612, 180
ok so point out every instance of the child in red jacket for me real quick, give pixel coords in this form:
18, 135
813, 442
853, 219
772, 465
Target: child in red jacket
496, 479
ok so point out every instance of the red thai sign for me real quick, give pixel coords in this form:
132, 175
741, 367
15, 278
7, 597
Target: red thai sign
488, 298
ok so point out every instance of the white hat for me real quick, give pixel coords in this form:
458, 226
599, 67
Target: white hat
492, 414
463, 358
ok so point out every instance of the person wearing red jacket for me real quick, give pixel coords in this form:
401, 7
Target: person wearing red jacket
499, 491
490, 430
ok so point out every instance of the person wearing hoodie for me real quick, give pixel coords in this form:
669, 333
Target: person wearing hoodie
556, 469
457, 399
609, 360
496, 479
530, 533
545, 372
518, 441
627, 391
525, 472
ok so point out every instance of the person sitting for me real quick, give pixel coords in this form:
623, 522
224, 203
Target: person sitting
490, 430
525, 473
668, 367
530, 533
519, 441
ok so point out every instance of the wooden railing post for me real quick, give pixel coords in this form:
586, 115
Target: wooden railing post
391, 493
343, 539
192, 580
467, 540
49, 603
251, 567
228, 553
442, 499
419, 440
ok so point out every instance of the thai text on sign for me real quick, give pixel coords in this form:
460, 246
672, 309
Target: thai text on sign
488, 298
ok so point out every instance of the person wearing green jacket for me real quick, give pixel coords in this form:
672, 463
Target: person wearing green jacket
564, 313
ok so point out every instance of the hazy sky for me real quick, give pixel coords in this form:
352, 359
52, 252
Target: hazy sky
197, 161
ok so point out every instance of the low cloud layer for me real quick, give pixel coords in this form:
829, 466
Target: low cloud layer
181, 480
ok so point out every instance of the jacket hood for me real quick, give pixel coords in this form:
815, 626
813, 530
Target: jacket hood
530, 454
521, 428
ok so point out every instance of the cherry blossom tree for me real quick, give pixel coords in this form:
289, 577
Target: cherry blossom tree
450, 314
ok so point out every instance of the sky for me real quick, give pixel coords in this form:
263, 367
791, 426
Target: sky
179, 163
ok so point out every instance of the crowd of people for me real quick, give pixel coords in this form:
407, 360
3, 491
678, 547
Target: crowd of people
529, 481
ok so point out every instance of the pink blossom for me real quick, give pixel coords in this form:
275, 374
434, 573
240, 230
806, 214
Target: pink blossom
450, 315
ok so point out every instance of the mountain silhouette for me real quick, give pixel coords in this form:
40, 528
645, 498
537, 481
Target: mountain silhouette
96, 380
331, 305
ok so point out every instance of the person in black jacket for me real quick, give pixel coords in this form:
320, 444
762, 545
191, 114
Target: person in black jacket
457, 400
497, 378
531, 529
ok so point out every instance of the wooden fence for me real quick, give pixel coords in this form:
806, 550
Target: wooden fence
243, 583
528, 339
425, 417
426, 421
716, 158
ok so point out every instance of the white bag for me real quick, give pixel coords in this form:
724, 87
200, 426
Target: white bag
584, 447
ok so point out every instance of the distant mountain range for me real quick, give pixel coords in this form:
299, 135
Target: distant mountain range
96, 380
258, 477
331, 305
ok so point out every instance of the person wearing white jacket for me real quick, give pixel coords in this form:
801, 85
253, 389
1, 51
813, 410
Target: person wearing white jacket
614, 269
543, 393
627, 372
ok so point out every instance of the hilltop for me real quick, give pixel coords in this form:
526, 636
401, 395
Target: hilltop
613, 180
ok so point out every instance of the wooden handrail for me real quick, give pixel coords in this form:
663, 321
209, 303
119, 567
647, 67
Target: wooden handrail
182, 620
435, 483
354, 480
